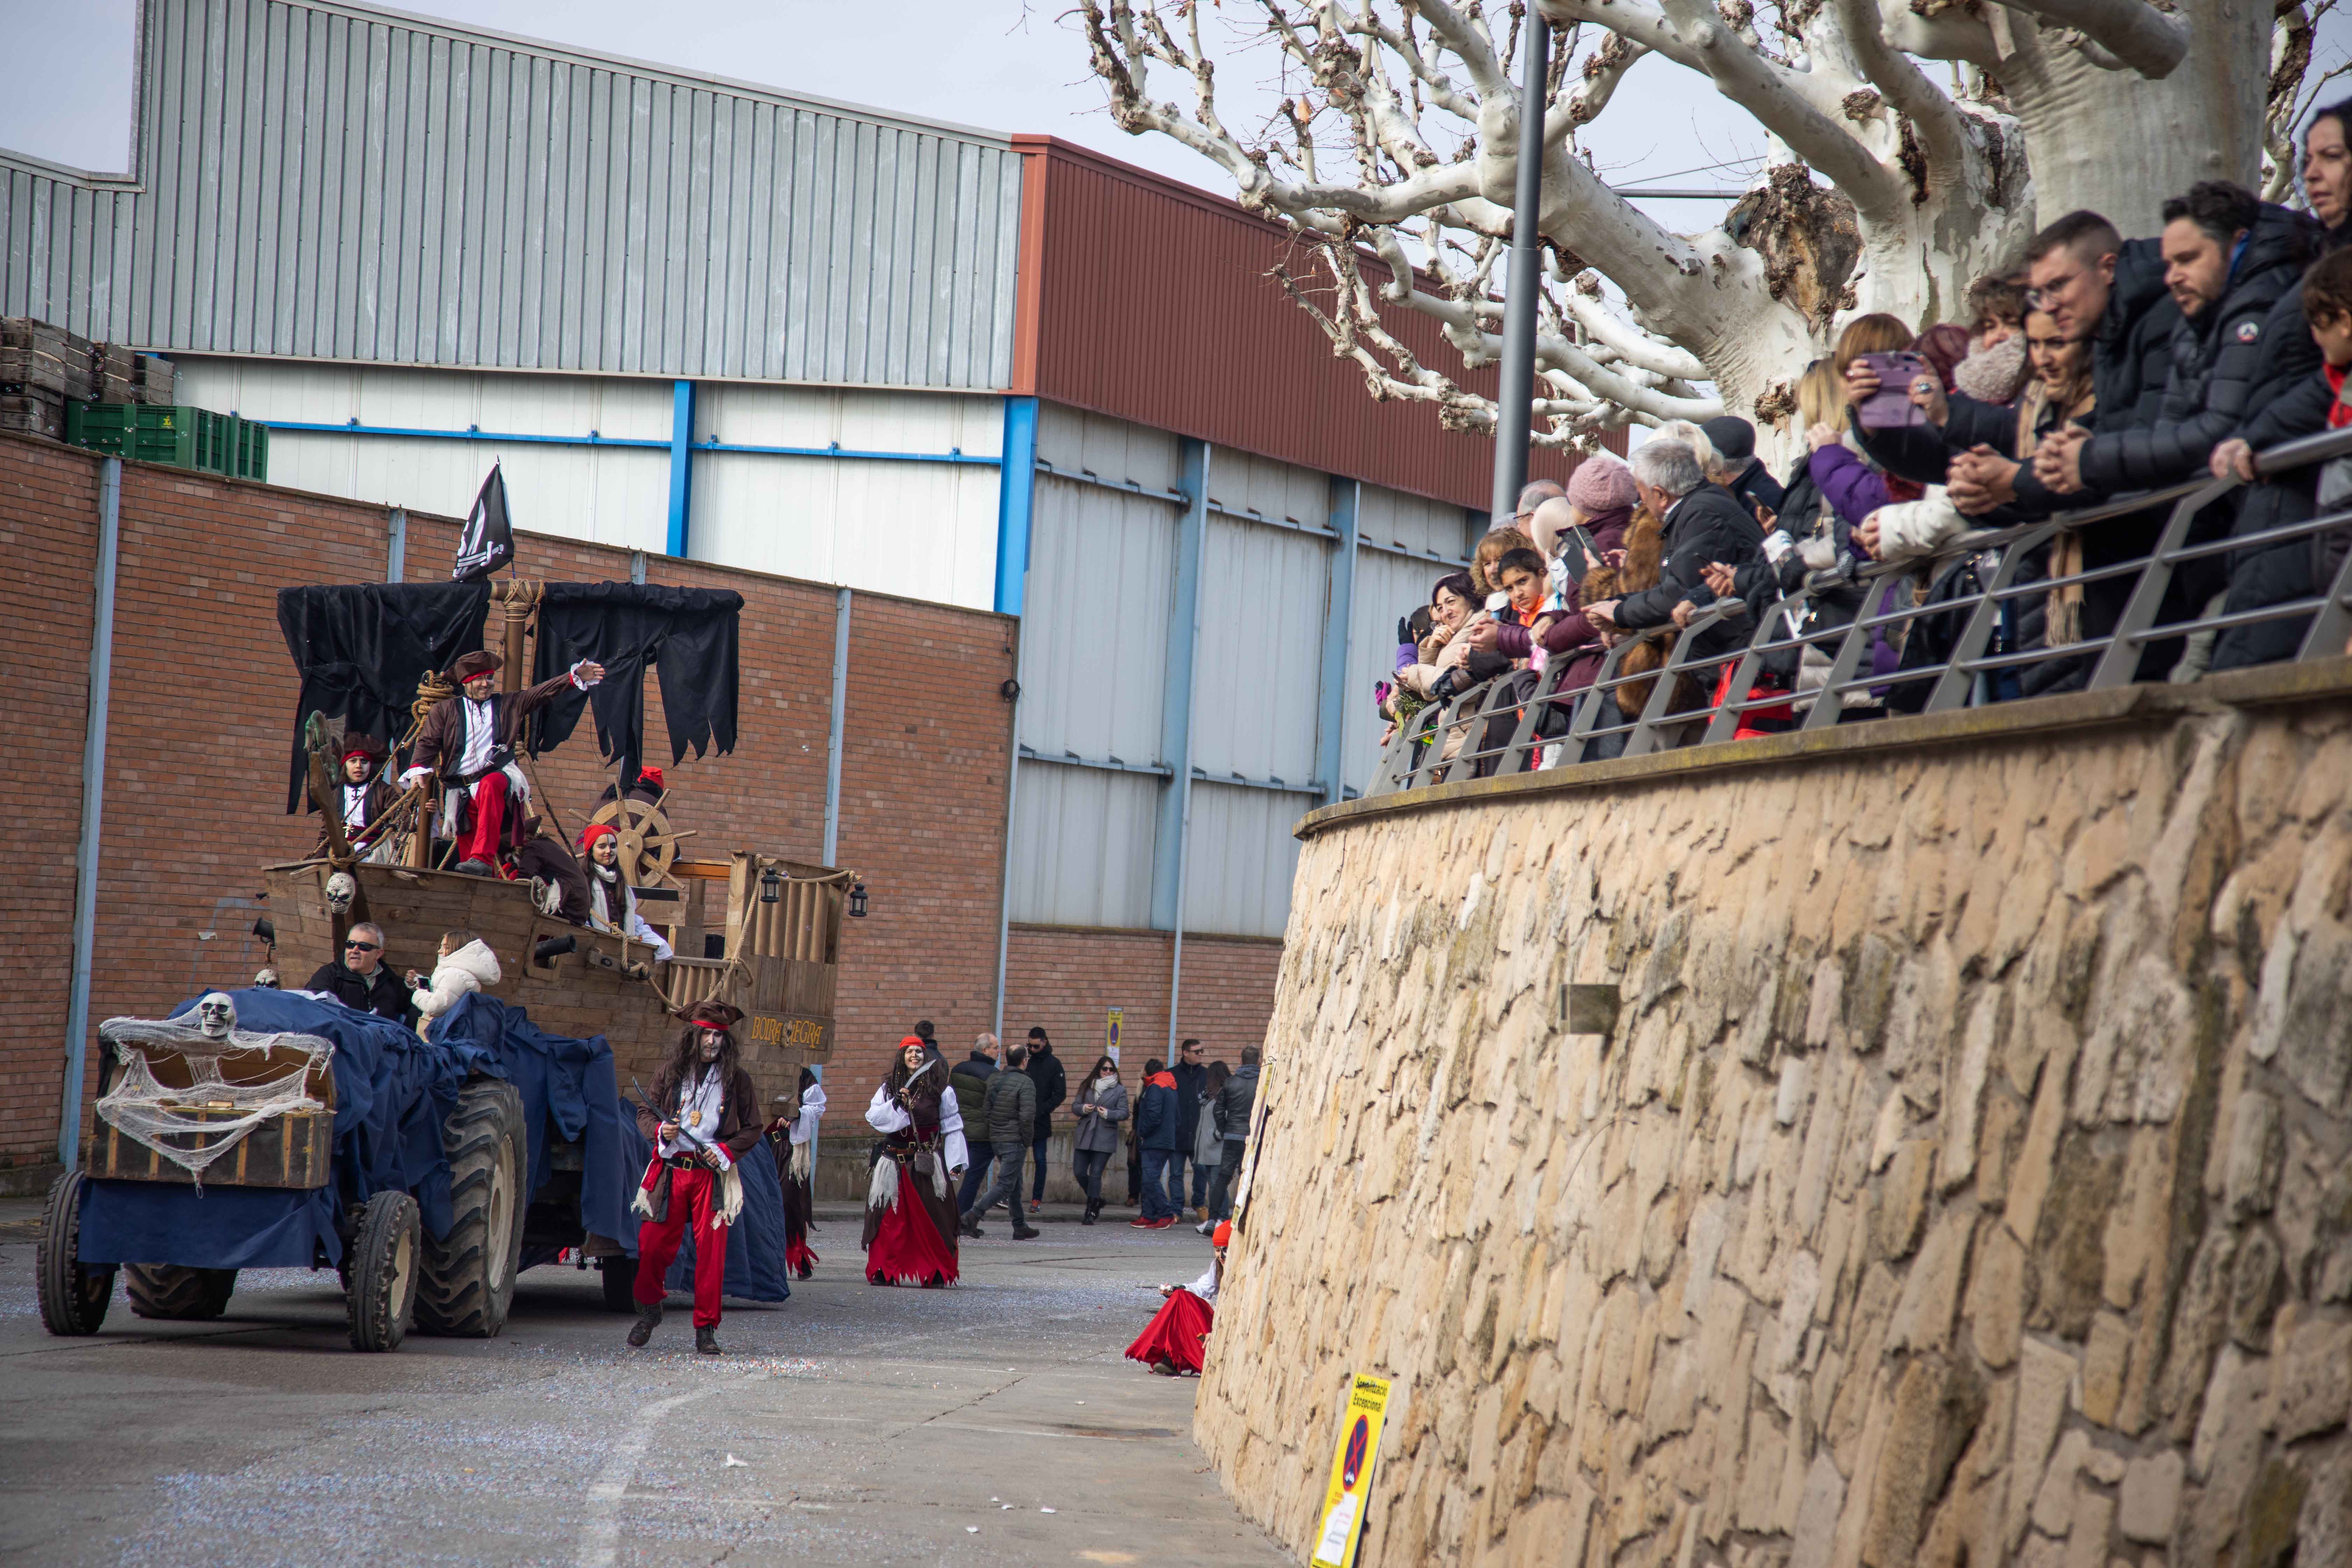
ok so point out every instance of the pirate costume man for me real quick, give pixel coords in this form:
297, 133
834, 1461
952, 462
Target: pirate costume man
612, 902
704, 1118
910, 1210
469, 741
362, 802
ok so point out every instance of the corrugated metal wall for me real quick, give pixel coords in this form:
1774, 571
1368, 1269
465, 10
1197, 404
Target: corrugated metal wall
1106, 237
332, 182
1389, 586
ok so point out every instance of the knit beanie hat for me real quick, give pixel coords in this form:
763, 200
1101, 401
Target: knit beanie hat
1601, 483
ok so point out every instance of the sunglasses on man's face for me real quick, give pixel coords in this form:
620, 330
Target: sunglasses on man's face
362, 947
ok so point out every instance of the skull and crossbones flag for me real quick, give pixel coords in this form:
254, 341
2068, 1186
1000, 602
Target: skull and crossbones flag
487, 543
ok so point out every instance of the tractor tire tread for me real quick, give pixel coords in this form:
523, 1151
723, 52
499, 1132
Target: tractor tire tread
373, 1314
172, 1292
456, 1289
73, 1295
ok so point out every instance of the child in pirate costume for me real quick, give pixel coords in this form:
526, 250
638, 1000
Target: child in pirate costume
361, 800
469, 740
792, 1138
612, 902
704, 1118
910, 1210
1173, 1342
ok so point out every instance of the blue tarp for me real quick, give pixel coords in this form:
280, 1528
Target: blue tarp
568, 1094
393, 1092
756, 1270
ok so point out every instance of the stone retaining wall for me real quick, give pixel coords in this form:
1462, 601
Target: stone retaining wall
1968, 1177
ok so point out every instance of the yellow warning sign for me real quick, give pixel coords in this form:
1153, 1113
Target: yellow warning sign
1351, 1473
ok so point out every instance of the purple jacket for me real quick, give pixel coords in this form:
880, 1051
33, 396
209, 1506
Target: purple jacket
1571, 630
1850, 485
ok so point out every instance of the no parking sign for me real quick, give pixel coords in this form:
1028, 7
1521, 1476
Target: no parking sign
1351, 1472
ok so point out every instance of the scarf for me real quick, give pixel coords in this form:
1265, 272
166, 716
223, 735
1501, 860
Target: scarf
2063, 607
1996, 374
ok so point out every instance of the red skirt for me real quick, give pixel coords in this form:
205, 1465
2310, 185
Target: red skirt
1175, 1333
906, 1240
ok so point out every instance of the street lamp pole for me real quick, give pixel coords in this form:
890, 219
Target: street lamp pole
1513, 411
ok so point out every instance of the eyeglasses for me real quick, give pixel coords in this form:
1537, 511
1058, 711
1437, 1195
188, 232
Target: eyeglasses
2042, 299
362, 947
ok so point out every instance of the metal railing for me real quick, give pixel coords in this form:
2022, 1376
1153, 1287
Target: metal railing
1500, 726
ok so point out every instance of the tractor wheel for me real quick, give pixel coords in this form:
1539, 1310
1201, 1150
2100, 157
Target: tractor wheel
383, 1251
73, 1294
468, 1275
620, 1273
169, 1290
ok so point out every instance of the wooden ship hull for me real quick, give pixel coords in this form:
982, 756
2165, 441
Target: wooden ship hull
774, 957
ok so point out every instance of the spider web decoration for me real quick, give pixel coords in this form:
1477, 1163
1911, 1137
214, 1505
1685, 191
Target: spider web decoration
187, 1126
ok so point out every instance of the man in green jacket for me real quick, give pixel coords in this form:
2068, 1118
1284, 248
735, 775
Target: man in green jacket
1009, 1109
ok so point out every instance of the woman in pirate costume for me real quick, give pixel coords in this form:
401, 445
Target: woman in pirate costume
792, 1138
704, 1117
911, 1212
363, 799
612, 902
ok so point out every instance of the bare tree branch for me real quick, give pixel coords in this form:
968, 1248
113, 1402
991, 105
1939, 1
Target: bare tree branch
1943, 136
2134, 33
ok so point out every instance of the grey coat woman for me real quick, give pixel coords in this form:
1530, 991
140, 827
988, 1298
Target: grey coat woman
1101, 1106
1208, 1142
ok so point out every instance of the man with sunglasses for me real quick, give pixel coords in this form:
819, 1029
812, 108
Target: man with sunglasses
361, 981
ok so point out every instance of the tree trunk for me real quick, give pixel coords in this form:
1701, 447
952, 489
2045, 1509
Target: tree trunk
2118, 144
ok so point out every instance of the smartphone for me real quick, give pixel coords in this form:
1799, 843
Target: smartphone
1574, 545
1890, 407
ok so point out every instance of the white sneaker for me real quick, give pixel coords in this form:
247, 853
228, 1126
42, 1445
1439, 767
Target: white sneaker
1206, 1228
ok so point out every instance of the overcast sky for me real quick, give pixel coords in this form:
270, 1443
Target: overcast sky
999, 65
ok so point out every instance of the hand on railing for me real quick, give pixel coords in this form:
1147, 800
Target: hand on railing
1979, 480
2232, 459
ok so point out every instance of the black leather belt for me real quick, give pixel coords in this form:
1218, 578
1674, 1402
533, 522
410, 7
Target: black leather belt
683, 1162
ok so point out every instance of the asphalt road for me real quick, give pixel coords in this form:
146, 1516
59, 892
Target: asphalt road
995, 1423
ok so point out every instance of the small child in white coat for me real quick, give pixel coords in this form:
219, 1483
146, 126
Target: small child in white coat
466, 964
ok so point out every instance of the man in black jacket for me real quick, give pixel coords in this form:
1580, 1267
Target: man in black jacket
1743, 472
1232, 1112
1007, 1111
1053, 1088
362, 981
1191, 1075
1704, 526
970, 1081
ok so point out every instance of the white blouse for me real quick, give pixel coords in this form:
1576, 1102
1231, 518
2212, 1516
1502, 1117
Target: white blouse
803, 1128
887, 1115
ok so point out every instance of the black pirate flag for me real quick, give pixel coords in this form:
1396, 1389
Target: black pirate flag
487, 542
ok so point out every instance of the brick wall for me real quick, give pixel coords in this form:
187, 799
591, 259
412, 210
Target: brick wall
204, 696
49, 535
1067, 978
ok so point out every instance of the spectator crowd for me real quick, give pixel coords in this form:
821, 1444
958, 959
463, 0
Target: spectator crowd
1195, 1113
2099, 368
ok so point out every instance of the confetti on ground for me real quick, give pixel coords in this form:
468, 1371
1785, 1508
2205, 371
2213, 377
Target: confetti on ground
1046, 1511
735, 1464
971, 1529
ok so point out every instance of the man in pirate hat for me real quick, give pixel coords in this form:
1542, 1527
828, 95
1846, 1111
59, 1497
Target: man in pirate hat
469, 740
704, 1117
361, 799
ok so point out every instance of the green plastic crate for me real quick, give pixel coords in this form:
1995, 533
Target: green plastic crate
215, 441
252, 450
143, 432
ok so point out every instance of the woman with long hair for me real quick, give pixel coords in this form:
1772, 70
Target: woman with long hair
911, 1212
792, 1138
1101, 1107
1208, 1149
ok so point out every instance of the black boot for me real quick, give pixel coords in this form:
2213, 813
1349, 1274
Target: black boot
706, 1340
970, 1227
1092, 1209
649, 1320
1022, 1229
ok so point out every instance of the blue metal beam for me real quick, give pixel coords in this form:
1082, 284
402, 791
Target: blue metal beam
508, 437
93, 809
1016, 500
1176, 691
1105, 764
840, 723
681, 466
1338, 638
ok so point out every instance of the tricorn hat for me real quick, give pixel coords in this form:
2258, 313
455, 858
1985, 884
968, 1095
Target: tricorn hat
712, 1014
360, 743
481, 661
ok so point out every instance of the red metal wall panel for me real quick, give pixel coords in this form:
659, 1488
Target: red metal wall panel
1149, 302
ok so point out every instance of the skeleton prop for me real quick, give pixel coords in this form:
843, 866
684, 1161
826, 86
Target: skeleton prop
193, 1126
341, 889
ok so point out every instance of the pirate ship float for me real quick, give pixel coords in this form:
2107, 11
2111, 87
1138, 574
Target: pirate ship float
760, 932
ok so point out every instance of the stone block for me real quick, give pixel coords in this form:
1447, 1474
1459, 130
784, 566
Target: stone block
1817, 1515
1938, 1403
2304, 1013
2200, 1319
2086, 1539
2069, 1251
1901, 1199
2104, 1361
2037, 1158
1931, 1291
1964, 1087
1789, 1099
2053, 1501
1997, 1296
2257, 1155
2311, 1381
2255, 1287
2150, 1502
2001, 1125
